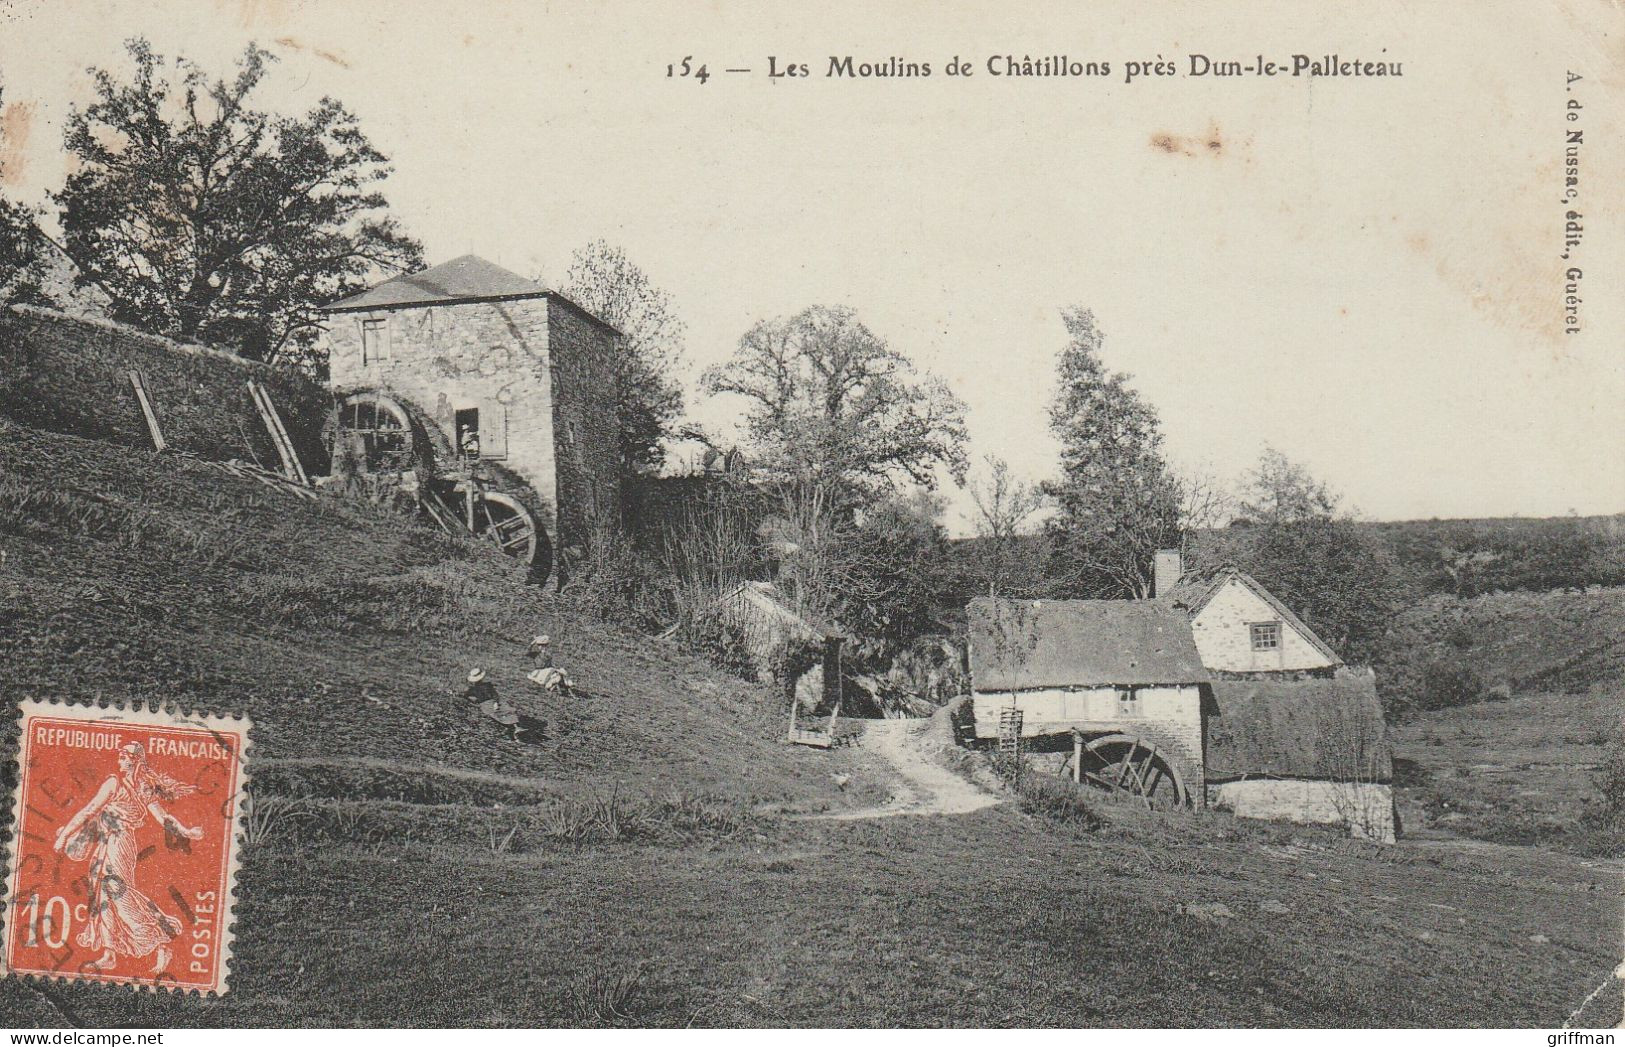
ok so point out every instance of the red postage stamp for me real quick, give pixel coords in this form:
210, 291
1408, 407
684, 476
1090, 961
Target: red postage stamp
124, 846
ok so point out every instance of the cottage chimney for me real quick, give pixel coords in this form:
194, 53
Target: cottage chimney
1166, 569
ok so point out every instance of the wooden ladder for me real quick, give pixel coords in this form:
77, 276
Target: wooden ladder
1010, 741
279, 436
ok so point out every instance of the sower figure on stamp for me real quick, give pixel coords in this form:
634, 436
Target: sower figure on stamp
123, 921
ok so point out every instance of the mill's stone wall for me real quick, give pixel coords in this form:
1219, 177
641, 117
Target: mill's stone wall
1224, 638
586, 426
1366, 809
541, 373
489, 355
72, 375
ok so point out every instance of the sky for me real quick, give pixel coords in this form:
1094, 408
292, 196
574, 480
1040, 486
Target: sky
1363, 274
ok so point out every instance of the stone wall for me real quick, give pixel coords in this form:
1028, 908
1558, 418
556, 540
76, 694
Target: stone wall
1225, 641
493, 356
1365, 808
587, 427
72, 375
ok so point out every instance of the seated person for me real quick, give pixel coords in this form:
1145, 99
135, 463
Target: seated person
545, 674
484, 695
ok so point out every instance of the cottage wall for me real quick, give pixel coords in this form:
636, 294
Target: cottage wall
586, 426
1171, 717
1224, 637
493, 356
1366, 808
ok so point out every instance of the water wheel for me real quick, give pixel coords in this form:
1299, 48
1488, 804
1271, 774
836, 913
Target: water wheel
1130, 764
508, 524
371, 433
467, 506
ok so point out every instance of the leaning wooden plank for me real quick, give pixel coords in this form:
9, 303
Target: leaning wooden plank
140, 387
291, 465
282, 434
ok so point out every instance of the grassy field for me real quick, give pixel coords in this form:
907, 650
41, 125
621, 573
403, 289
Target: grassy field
985, 919
643, 866
1521, 769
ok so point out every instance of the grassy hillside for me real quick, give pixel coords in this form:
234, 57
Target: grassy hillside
342, 629
640, 867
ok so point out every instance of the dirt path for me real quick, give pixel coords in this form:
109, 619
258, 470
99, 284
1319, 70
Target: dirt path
922, 786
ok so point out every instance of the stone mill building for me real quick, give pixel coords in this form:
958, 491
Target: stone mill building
490, 366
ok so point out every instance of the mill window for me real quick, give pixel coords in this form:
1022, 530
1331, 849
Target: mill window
1128, 701
1266, 636
374, 341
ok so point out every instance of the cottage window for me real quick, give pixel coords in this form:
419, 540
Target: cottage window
374, 341
1128, 701
1266, 636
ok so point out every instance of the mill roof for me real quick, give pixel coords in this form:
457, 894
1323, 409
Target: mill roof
466, 279
1313, 728
1029, 644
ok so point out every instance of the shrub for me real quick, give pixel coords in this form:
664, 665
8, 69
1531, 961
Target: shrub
1449, 682
721, 641
618, 584
607, 998
687, 812
595, 818
266, 817
1058, 800
1046, 795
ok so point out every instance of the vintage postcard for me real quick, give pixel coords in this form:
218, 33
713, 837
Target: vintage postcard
762, 514
125, 848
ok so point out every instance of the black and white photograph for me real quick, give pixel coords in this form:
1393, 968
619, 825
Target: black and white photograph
725, 515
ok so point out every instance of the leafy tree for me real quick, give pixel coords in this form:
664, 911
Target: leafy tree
1342, 580
208, 220
604, 280
890, 573
836, 411
1116, 500
22, 252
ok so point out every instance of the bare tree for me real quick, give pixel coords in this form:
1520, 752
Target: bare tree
833, 407
1004, 508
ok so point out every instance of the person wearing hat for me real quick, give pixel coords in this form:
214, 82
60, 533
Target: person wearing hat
545, 674
483, 694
